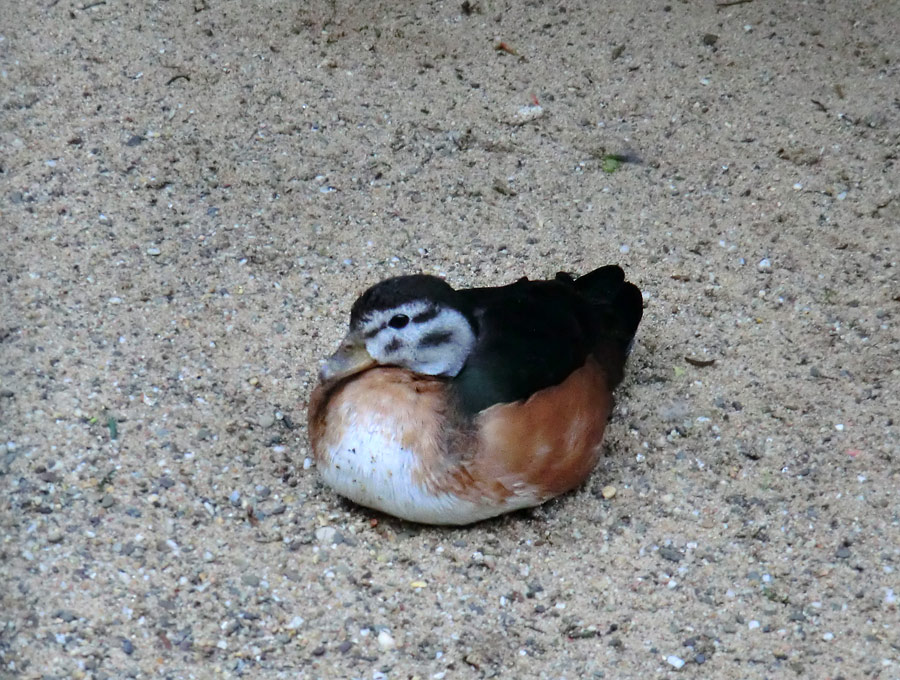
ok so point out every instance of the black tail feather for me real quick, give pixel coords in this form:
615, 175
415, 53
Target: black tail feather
617, 304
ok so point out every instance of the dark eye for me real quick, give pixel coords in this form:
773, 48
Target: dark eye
398, 321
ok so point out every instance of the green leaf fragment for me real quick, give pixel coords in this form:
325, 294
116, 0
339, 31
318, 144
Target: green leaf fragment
612, 162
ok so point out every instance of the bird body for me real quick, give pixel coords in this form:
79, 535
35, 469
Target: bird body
449, 407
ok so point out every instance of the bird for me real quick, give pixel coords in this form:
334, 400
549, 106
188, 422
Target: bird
448, 407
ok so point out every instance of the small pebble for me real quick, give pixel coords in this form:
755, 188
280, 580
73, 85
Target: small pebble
127, 647
153, 251
326, 535
385, 641
295, 623
235, 498
765, 265
266, 420
250, 580
608, 492
675, 661
527, 114
670, 554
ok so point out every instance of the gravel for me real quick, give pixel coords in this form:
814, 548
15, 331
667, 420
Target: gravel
193, 198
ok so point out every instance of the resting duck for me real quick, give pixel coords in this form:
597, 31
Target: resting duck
446, 406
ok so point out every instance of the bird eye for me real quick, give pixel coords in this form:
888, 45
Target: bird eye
398, 321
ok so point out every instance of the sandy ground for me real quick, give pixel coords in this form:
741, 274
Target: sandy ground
192, 195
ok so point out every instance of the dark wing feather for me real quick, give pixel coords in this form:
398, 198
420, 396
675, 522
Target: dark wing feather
534, 334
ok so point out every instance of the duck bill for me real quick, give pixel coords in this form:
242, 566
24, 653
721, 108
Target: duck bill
352, 357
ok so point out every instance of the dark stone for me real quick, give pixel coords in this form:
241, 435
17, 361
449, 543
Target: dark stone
670, 554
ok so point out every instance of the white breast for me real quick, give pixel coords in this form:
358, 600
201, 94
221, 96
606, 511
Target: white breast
369, 465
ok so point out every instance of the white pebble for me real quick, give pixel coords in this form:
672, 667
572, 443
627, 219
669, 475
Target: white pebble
828, 637
529, 113
326, 535
385, 641
764, 265
839, 427
295, 623
675, 661
153, 251
753, 625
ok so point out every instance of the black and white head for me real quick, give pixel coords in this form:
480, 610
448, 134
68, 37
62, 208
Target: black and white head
416, 322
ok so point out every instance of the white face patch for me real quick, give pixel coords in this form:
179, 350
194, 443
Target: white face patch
421, 336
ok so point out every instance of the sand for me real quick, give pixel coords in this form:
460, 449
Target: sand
193, 193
